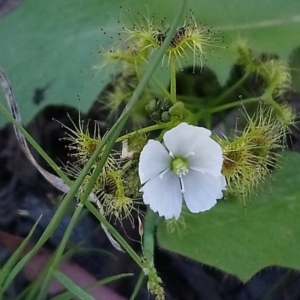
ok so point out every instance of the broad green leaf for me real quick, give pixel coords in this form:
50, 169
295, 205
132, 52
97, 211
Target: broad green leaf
55, 44
242, 242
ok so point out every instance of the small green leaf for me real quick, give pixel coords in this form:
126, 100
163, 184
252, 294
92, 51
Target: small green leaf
69, 295
71, 286
239, 241
8, 273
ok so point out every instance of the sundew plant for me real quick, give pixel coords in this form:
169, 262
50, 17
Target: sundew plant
191, 163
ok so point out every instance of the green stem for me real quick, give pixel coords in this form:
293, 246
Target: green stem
231, 89
36, 146
45, 285
7, 275
148, 236
59, 252
67, 234
143, 130
190, 99
161, 87
127, 165
137, 286
223, 96
38, 287
173, 80
234, 104
115, 234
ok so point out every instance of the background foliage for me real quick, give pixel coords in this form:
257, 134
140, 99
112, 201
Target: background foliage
55, 44
242, 241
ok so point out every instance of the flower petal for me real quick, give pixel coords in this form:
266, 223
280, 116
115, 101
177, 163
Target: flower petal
181, 138
154, 160
202, 190
195, 144
163, 194
206, 157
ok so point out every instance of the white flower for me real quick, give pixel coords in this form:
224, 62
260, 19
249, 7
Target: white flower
188, 166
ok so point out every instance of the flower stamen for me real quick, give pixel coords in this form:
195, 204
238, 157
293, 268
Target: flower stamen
181, 184
180, 166
161, 175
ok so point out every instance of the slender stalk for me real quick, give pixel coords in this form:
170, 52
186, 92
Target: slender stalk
64, 241
148, 236
115, 234
173, 80
161, 87
142, 130
191, 99
137, 286
59, 252
36, 146
223, 96
234, 104
231, 89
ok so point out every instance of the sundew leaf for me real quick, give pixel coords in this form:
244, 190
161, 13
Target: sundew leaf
242, 242
54, 45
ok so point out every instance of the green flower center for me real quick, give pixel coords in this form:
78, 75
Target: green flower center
180, 166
